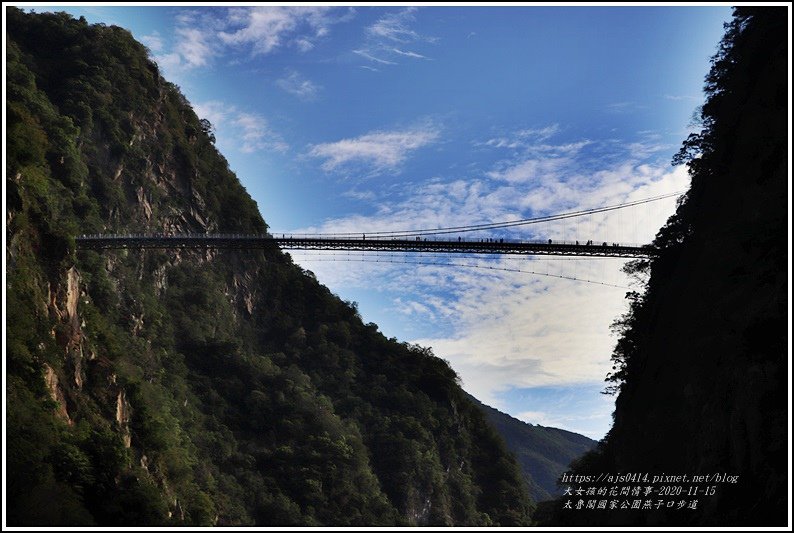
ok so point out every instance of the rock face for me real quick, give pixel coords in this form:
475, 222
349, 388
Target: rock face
56, 392
123, 418
72, 294
228, 388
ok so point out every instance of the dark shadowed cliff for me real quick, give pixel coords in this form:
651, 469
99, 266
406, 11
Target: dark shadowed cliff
197, 388
701, 367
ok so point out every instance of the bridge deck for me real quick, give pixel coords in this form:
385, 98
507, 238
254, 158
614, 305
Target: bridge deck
461, 246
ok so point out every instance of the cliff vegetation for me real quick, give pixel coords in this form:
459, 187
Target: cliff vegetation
156, 387
701, 364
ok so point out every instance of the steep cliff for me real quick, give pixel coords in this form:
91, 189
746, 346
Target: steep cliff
157, 387
701, 365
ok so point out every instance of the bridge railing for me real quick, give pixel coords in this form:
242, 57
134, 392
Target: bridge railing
347, 237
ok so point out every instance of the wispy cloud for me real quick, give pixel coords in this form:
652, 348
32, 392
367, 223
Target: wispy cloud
624, 107
303, 44
414, 308
194, 47
522, 138
248, 132
215, 111
531, 170
265, 29
360, 195
256, 134
516, 331
681, 97
535, 161
153, 42
395, 27
390, 29
193, 42
504, 330
539, 134
408, 54
202, 35
643, 150
294, 83
501, 142
378, 150
369, 56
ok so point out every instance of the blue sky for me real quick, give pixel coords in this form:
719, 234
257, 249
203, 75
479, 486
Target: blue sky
394, 117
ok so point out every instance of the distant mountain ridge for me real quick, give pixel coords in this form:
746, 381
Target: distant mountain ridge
544, 453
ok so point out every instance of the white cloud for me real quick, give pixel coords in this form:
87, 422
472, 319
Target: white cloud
369, 56
170, 63
267, 28
395, 27
643, 150
294, 83
528, 137
408, 53
681, 97
503, 330
540, 134
201, 36
248, 132
303, 44
215, 111
194, 47
380, 150
256, 134
517, 332
360, 195
501, 142
390, 29
536, 170
153, 42
414, 308
193, 43
536, 163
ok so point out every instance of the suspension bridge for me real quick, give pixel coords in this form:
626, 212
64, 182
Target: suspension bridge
459, 245
449, 240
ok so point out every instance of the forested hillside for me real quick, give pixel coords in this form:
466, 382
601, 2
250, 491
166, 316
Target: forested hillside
701, 366
197, 388
544, 453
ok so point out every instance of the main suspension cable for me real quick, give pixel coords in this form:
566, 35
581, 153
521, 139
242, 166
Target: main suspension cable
497, 225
